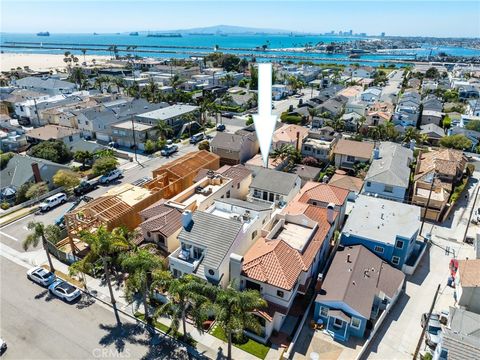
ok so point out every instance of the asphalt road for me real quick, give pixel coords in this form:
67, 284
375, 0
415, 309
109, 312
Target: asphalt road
36, 325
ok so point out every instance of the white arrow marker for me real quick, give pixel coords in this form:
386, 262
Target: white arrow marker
264, 121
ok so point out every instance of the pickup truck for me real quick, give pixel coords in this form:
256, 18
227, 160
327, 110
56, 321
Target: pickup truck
111, 176
85, 187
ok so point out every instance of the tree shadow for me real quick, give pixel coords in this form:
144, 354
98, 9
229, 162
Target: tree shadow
120, 334
45, 295
85, 302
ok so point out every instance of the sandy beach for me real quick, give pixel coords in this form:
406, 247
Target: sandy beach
42, 62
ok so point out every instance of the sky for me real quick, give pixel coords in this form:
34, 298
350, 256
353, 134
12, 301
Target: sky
408, 17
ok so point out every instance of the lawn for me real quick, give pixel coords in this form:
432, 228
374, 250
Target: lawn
167, 330
251, 346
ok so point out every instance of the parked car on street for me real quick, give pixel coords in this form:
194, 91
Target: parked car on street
221, 127
197, 138
64, 290
110, 176
53, 201
442, 318
433, 333
169, 150
85, 187
41, 276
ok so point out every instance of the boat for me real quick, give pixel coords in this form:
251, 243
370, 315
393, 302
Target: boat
43, 33
165, 35
134, 33
354, 56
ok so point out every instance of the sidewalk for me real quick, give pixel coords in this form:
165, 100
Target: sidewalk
207, 344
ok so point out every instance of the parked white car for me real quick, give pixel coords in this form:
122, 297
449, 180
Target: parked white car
64, 290
110, 176
41, 276
53, 201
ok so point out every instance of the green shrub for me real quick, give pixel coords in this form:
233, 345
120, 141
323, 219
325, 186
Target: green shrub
103, 165
4, 205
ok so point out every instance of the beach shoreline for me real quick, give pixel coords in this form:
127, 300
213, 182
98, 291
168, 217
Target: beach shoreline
44, 62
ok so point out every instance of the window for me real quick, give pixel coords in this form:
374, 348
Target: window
228, 194
70, 138
355, 323
378, 249
338, 323
238, 186
388, 189
399, 244
280, 293
324, 311
86, 122
149, 234
161, 238
395, 260
350, 158
369, 184
254, 234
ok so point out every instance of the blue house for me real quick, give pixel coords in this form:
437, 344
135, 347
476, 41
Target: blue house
387, 228
357, 288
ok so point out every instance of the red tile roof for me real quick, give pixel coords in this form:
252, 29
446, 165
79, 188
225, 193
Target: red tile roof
275, 262
321, 192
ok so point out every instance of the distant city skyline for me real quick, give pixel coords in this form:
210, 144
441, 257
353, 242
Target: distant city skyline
405, 18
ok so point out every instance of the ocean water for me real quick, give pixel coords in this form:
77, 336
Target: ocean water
204, 44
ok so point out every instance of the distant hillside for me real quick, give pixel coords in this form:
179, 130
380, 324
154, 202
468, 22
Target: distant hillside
225, 29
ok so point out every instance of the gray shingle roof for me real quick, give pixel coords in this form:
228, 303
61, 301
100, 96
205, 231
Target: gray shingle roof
346, 281
48, 83
462, 340
274, 181
392, 166
19, 170
232, 142
214, 233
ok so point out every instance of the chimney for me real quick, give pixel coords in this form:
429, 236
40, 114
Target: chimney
36, 173
376, 153
186, 218
236, 263
330, 213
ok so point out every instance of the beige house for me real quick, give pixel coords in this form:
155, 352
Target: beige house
445, 168
348, 153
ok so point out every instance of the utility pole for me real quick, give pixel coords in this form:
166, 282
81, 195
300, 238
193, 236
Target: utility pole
425, 326
134, 140
428, 202
471, 214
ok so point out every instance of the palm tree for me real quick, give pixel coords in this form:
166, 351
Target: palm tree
103, 246
140, 265
234, 312
44, 233
313, 112
360, 122
411, 133
281, 153
374, 133
84, 51
163, 130
188, 295
228, 79
424, 139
